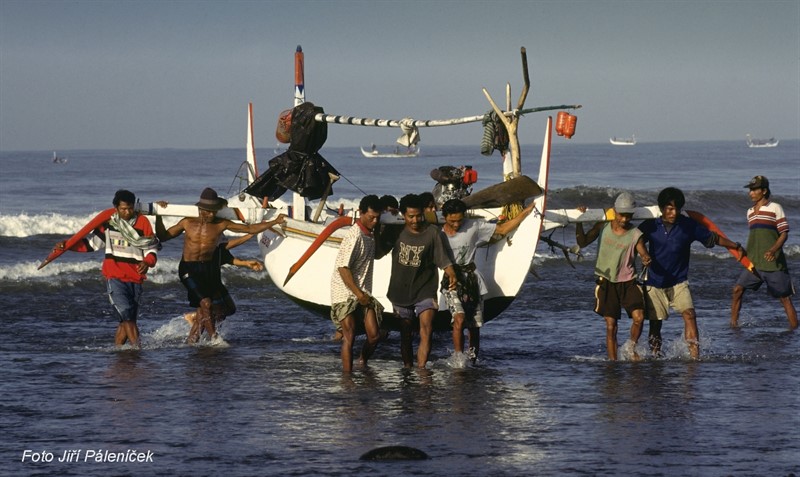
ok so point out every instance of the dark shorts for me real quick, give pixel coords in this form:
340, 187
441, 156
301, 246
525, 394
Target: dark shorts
779, 284
202, 280
124, 298
611, 298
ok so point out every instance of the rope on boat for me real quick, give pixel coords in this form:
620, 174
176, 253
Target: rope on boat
428, 123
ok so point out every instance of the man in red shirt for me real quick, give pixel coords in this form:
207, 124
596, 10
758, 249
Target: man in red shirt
130, 250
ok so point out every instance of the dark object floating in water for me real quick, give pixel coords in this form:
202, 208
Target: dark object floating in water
394, 453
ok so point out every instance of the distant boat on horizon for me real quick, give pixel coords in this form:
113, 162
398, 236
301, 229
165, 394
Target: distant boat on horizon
623, 141
396, 152
771, 142
58, 160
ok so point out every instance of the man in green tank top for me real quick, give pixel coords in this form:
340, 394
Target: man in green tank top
616, 275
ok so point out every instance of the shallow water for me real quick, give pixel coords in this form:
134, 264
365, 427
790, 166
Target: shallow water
270, 399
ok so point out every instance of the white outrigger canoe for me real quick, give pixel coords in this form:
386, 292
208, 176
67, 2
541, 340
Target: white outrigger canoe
504, 264
615, 141
396, 153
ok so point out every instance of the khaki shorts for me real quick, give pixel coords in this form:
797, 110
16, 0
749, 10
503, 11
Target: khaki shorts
342, 310
659, 300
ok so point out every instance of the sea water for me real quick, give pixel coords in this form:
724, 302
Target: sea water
269, 398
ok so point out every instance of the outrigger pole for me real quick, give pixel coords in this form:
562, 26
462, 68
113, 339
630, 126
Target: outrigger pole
425, 123
510, 118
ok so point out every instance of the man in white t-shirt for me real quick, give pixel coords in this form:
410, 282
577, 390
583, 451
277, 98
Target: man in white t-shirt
465, 301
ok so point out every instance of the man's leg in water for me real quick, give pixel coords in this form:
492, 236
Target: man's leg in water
654, 336
202, 321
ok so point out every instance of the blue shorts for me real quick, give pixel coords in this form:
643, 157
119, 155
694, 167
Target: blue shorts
411, 312
124, 298
779, 284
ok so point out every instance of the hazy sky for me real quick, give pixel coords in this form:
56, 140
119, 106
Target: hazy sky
141, 74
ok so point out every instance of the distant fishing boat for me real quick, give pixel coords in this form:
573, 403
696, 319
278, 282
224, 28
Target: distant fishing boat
623, 141
397, 151
771, 142
58, 160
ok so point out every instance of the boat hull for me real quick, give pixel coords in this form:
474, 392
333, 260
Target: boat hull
503, 264
622, 142
759, 143
377, 154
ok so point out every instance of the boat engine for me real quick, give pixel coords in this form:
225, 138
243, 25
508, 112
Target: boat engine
452, 183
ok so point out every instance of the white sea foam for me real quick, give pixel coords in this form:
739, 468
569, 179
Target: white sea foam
176, 329
24, 225
174, 333
28, 270
164, 271
457, 360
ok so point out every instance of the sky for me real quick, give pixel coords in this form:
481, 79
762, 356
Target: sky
179, 74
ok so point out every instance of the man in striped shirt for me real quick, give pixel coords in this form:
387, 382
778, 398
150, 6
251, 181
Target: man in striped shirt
768, 232
130, 251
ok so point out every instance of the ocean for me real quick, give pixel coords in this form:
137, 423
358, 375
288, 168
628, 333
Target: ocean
270, 398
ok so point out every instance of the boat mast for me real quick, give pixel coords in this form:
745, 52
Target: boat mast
252, 165
299, 77
298, 201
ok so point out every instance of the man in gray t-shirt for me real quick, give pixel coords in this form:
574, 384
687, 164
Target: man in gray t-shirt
417, 255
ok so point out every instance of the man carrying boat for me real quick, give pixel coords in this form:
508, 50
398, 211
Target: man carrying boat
130, 251
416, 255
351, 284
198, 269
616, 285
768, 232
465, 301
223, 256
669, 239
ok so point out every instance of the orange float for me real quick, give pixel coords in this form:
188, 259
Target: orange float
569, 126
561, 119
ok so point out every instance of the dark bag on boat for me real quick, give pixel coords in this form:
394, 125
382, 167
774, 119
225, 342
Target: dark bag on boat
301, 168
308, 136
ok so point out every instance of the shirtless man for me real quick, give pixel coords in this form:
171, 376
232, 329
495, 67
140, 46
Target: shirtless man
226, 258
198, 270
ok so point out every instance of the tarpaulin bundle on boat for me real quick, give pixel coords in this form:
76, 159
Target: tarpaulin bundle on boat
301, 168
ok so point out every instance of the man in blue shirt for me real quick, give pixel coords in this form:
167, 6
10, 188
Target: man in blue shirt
669, 240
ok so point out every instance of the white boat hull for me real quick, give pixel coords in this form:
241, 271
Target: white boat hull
503, 264
377, 154
622, 142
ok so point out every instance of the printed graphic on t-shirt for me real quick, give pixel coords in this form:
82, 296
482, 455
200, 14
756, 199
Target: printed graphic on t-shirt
409, 255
